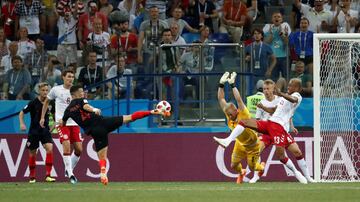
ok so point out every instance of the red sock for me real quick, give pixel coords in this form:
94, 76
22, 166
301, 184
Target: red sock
49, 163
32, 165
102, 164
139, 115
299, 157
285, 160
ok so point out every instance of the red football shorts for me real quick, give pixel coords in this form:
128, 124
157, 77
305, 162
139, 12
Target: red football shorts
71, 133
278, 136
266, 139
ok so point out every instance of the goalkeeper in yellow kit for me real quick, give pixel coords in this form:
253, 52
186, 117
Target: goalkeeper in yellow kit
247, 145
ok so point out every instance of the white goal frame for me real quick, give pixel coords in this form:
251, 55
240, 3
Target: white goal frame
316, 93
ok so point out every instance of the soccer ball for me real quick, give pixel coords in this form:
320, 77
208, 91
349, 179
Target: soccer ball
163, 106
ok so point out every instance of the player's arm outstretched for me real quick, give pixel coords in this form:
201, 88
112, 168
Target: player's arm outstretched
236, 93
221, 93
269, 110
288, 97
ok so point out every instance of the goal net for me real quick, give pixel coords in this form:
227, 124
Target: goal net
336, 107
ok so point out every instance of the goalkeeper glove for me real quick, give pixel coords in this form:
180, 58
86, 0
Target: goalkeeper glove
223, 79
232, 78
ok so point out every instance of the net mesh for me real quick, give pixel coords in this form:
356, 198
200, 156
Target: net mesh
339, 110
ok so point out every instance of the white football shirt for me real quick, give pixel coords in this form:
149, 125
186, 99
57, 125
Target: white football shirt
285, 110
263, 115
62, 99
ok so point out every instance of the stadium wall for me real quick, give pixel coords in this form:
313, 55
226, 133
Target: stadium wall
147, 157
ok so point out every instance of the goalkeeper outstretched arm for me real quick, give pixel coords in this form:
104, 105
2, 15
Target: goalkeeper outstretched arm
221, 94
236, 93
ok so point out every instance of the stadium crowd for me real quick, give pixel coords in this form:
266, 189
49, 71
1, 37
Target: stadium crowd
106, 38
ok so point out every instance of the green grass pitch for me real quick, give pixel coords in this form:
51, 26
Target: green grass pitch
180, 191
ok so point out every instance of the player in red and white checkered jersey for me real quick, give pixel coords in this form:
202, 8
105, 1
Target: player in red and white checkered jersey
70, 133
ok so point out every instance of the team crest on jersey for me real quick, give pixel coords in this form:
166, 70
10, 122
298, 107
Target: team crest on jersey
85, 101
28, 144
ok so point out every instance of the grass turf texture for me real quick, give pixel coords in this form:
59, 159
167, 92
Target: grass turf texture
180, 191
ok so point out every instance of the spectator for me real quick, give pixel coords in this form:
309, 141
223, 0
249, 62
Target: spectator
8, 17
204, 11
149, 38
52, 72
301, 44
306, 80
177, 38
276, 35
119, 69
124, 41
86, 22
233, 20
321, 19
6, 64
105, 7
190, 63
260, 55
345, 19
67, 43
132, 7
91, 74
17, 82
36, 60
48, 18
207, 51
99, 42
169, 64
28, 15
4, 44
177, 14
25, 44
160, 4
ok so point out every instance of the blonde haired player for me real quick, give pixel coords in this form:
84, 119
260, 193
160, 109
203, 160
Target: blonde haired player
247, 146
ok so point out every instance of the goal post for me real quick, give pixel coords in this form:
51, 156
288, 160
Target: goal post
336, 91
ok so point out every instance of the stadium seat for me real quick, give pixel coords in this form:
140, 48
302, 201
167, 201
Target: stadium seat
50, 42
190, 37
220, 38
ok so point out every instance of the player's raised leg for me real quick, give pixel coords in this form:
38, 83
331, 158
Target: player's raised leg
102, 155
238, 130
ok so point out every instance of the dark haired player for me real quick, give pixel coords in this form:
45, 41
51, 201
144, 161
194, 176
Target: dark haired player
37, 133
70, 133
97, 126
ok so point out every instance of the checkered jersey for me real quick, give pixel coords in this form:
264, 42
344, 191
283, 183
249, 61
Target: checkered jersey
34, 10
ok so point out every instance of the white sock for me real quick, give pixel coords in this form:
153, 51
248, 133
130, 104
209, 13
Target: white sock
74, 160
290, 165
303, 167
67, 163
235, 133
